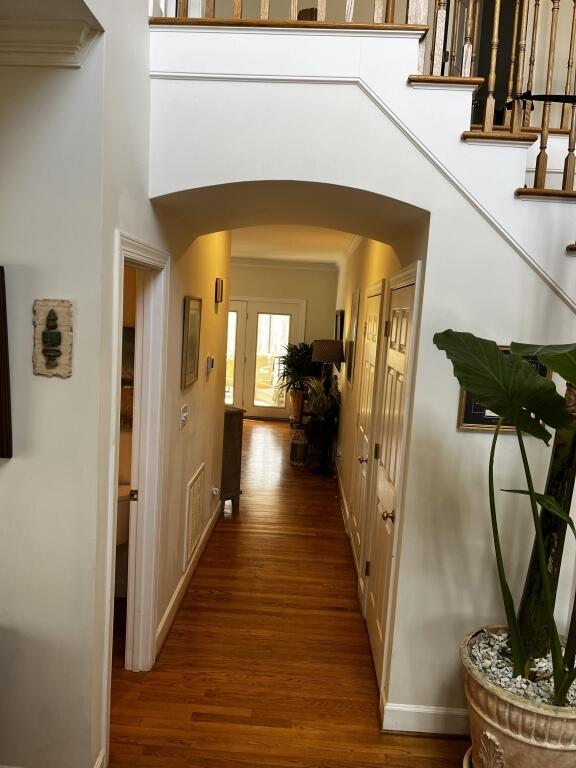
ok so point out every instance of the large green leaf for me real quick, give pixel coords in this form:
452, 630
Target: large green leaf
560, 358
550, 504
504, 383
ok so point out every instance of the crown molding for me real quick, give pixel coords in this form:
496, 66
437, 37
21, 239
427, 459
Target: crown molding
314, 266
27, 43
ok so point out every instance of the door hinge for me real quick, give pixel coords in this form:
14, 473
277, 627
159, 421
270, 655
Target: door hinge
377, 449
367, 568
133, 495
386, 329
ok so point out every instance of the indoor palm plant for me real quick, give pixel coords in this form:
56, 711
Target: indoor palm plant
514, 721
296, 368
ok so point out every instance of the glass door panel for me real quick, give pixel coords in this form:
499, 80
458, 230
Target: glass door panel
272, 336
231, 357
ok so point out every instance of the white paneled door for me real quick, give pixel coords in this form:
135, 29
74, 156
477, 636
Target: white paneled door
363, 455
388, 467
258, 332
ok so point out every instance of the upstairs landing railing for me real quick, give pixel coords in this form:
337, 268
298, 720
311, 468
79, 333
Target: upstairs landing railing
337, 13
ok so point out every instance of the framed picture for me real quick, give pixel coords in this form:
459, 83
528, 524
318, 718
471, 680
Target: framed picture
473, 417
350, 345
5, 411
190, 341
339, 325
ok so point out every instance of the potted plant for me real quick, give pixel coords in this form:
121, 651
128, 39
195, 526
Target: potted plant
296, 368
520, 679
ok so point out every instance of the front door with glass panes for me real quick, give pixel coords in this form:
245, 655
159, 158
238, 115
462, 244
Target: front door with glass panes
258, 332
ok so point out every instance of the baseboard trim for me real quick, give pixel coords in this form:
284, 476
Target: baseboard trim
344, 508
418, 719
180, 591
100, 760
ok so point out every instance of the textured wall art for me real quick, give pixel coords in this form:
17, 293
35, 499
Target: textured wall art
52, 355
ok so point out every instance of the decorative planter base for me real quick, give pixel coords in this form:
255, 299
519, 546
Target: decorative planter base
510, 732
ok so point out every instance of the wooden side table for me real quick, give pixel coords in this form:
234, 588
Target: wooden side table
232, 456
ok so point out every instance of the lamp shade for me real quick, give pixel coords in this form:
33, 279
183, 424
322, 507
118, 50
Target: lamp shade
327, 351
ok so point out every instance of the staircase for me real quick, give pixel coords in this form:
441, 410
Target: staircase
514, 166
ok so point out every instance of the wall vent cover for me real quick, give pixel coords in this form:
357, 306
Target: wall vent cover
194, 512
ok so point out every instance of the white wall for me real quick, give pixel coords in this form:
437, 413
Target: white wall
194, 271
477, 278
340, 85
50, 244
273, 281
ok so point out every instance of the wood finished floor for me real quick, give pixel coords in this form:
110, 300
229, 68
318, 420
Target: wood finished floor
268, 661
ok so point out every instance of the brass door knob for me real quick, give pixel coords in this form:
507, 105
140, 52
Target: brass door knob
388, 515
362, 461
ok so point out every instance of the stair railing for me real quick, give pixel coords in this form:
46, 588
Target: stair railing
383, 11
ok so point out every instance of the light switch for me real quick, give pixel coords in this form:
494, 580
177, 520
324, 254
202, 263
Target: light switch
183, 416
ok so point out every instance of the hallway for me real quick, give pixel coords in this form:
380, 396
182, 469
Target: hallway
268, 662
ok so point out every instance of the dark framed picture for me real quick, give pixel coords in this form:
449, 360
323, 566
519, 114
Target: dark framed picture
5, 410
190, 341
473, 417
219, 290
339, 325
350, 345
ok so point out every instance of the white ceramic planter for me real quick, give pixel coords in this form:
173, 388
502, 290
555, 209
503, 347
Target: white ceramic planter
510, 732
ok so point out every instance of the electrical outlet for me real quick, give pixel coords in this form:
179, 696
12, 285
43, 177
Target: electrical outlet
183, 416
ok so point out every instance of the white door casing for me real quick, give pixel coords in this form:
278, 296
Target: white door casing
241, 310
388, 467
151, 348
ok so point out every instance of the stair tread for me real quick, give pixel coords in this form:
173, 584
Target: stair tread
551, 194
499, 136
445, 80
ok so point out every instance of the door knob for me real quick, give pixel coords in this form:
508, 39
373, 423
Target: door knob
389, 515
362, 461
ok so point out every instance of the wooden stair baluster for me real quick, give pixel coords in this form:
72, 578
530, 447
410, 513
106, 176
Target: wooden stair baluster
488, 124
542, 159
468, 47
417, 13
209, 9
476, 37
570, 162
517, 107
512, 71
527, 119
182, 9
454, 37
390, 10
378, 11
349, 15
293, 10
265, 10
437, 55
237, 9
321, 10
569, 91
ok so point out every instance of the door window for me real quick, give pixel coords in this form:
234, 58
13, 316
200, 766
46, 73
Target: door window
230, 357
272, 336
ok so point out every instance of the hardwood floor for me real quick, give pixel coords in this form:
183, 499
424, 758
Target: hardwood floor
268, 662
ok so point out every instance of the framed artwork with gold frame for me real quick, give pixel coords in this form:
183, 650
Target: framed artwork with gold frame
190, 341
473, 417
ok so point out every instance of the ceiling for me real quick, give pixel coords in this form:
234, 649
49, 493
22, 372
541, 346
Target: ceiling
317, 245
